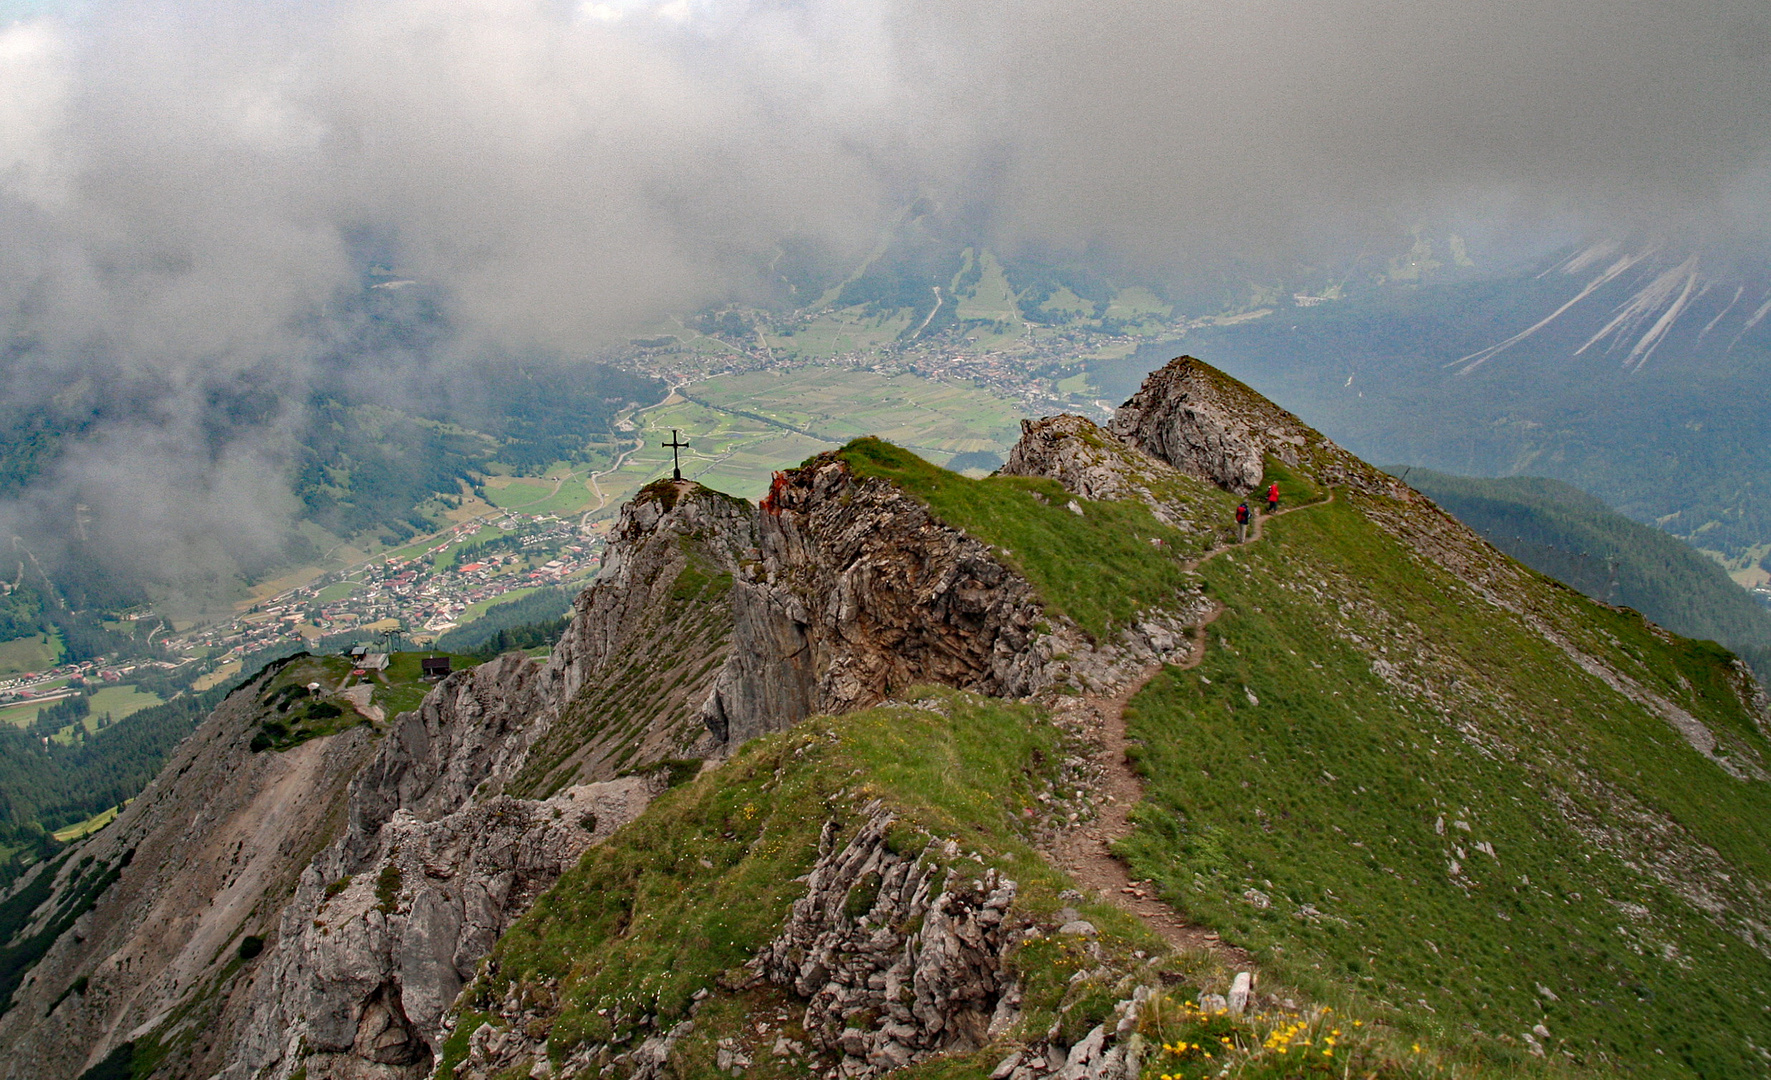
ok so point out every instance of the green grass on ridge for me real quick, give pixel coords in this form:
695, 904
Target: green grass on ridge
703, 880
677, 901
1098, 567
1306, 782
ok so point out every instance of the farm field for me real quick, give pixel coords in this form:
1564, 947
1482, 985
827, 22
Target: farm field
23, 713
335, 592
28, 654
741, 428
118, 701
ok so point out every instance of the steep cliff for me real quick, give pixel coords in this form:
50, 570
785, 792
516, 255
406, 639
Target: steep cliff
199, 862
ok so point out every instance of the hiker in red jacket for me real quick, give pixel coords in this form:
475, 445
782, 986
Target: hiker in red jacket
1242, 522
1273, 497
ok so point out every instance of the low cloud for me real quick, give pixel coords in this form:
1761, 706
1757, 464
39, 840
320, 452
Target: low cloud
191, 192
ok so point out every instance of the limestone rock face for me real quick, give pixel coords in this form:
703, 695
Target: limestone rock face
645, 643
859, 590
474, 727
1207, 424
880, 996
841, 591
1097, 464
373, 953
1184, 415
1076, 453
645, 552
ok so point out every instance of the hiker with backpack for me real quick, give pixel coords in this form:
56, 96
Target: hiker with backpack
1273, 497
1242, 523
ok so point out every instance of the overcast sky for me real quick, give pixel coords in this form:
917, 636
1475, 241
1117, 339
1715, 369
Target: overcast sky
185, 187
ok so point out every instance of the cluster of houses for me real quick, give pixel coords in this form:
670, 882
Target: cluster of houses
413, 594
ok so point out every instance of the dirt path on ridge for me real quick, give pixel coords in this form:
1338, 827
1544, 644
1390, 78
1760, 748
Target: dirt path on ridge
1085, 852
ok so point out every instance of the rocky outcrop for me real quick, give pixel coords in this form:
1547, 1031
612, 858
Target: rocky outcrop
1207, 424
1109, 1051
896, 961
667, 526
1076, 453
646, 641
473, 729
372, 954
433, 864
1096, 464
840, 590
1189, 416
859, 590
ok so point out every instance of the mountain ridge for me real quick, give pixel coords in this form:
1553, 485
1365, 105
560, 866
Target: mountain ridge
865, 580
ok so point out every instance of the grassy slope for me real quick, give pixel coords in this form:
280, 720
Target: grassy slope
678, 901
1097, 567
697, 885
1545, 752
1357, 694
1564, 532
1328, 793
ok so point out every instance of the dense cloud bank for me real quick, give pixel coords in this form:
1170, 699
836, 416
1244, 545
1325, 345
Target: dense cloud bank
192, 193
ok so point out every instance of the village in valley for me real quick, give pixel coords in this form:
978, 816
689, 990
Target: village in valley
405, 599
750, 392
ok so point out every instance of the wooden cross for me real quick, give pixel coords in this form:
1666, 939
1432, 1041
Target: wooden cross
676, 471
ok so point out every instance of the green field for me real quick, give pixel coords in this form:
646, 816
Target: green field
28, 654
119, 701
553, 494
448, 558
335, 592
742, 428
993, 298
23, 714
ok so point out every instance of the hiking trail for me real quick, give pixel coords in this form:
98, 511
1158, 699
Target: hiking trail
1085, 851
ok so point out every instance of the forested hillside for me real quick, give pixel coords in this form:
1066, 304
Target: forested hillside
1575, 538
46, 786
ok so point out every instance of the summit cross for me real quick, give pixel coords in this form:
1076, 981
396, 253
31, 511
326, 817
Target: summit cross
675, 444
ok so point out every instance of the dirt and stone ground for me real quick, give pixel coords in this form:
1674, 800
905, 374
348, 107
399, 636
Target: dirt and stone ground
1085, 851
